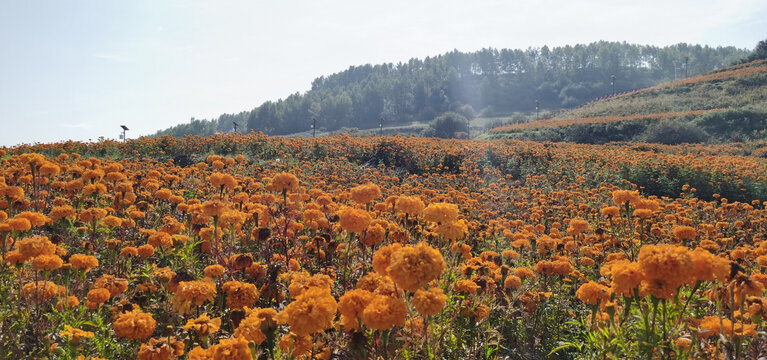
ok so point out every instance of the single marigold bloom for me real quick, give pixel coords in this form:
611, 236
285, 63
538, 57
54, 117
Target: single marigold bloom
453, 231
115, 285
130, 251
311, 312
214, 271
709, 267
593, 293
559, 267
512, 282
383, 312
300, 282
41, 291
621, 197
35, 246
610, 211
250, 328
214, 208
62, 212
667, 263
69, 302
642, 213
429, 302
19, 224
36, 219
373, 235
365, 193
578, 226
96, 297
145, 250
626, 276
712, 325
284, 182
684, 232
353, 302
382, 258
412, 267
83, 262
190, 294
134, 325
411, 205
442, 213
164, 348
47, 262
354, 220
203, 325
466, 287
75, 334
240, 294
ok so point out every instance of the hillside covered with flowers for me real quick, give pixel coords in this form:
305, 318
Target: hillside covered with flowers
254, 247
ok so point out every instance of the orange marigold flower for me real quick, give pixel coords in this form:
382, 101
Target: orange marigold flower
709, 267
311, 312
373, 235
453, 231
145, 250
283, 182
47, 262
302, 282
383, 312
96, 297
164, 348
354, 220
83, 262
250, 328
353, 302
214, 271
35, 246
411, 205
429, 302
512, 282
203, 325
190, 294
365, 193
466, 287
593, 293
240, 294
382, 258
115, 285
412, 267
75, 334
134, 325
684, 232
667, 263
626, 276
441, 213
41, 291
610, 211
621, 197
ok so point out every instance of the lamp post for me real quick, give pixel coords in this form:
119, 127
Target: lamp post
612, 82
125, 128
314, 126
235, 126
380, 126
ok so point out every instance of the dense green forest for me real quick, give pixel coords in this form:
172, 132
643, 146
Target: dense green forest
489, 82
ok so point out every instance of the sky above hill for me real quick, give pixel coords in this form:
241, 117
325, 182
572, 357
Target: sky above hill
80, 69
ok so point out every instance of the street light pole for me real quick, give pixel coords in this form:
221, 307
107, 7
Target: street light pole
380, 127
125, 128
235, 126
314, 126
612, 82
537, 107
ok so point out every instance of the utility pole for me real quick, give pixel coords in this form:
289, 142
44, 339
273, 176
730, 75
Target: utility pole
537, 108
125, 128
314, 126
380, 127
235, 126
612, 82
686, 59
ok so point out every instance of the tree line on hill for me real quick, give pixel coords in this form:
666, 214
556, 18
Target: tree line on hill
488, 82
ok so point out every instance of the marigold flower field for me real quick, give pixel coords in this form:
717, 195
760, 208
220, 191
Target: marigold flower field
251, 247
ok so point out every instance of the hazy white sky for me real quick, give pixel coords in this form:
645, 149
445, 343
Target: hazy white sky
79, 69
